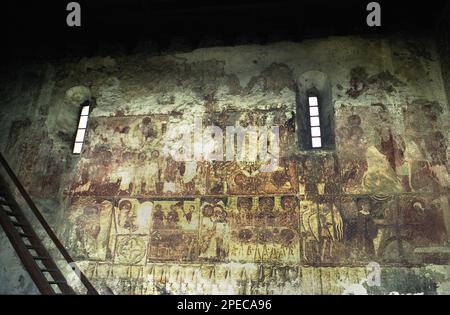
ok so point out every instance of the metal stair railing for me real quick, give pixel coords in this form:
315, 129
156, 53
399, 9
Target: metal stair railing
13, 220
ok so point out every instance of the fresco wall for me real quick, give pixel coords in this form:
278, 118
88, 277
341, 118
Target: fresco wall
140, 222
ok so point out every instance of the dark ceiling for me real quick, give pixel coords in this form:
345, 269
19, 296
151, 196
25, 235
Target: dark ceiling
38, 27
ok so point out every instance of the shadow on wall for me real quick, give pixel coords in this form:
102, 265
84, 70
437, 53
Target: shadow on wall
314, 83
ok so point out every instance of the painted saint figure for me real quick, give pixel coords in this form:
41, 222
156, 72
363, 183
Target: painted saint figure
367, 231
127, 217
87, 230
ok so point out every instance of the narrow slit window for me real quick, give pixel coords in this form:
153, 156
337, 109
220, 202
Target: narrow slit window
81, 131
316, 135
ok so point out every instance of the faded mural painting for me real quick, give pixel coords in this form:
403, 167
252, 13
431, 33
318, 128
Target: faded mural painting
140, 221
378, 197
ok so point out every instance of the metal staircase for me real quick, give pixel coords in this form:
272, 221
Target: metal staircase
34, 256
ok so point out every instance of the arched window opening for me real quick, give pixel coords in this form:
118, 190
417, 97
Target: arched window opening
314, 119
81, 131
314, 112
